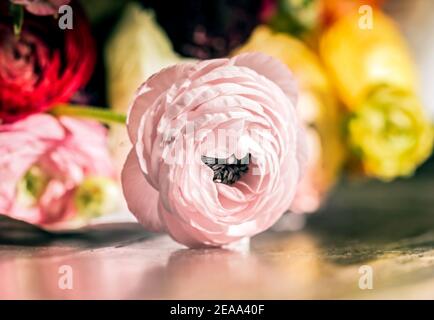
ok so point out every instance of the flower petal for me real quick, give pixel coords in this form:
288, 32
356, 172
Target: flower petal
141, 197
272, 69
150, 91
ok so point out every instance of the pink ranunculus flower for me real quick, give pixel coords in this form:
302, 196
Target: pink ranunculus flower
42, 7
48, 163
239, 112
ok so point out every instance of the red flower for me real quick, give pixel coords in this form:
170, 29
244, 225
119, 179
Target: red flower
44, 65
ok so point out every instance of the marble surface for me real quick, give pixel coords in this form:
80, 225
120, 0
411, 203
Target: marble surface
389, 228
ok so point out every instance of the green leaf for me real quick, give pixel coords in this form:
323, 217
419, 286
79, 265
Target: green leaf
17, 13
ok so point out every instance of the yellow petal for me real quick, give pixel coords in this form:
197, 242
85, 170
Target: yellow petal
360, 59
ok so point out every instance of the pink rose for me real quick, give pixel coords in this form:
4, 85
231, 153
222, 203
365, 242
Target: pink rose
240, 112
44, 162
42, 7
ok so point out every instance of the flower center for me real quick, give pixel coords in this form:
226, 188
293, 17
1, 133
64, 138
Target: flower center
95, 197
32, 186
227, 171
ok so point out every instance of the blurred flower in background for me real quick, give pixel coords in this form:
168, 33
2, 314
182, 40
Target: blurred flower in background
333, 10
375, 78
296, 17
390, 133
318, 108
137, 49
306, 19
44, 65
359, 59
206, 29
55, 170
417, 24
42, 7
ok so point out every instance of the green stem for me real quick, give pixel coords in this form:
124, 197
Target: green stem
103, 115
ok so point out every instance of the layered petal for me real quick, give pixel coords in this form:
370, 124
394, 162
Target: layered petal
140, 196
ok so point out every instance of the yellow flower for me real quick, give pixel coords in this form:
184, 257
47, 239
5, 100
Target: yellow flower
375, 78
359, 59
318, 108
390, 133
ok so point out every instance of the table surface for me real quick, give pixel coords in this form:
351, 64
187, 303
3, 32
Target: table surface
389, 227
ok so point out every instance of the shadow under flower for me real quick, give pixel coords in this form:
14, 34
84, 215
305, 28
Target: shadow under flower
19, 233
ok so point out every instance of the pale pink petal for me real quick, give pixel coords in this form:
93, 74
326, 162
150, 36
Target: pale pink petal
150, 91
141, 198
86, 146
272, 69
21, 145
